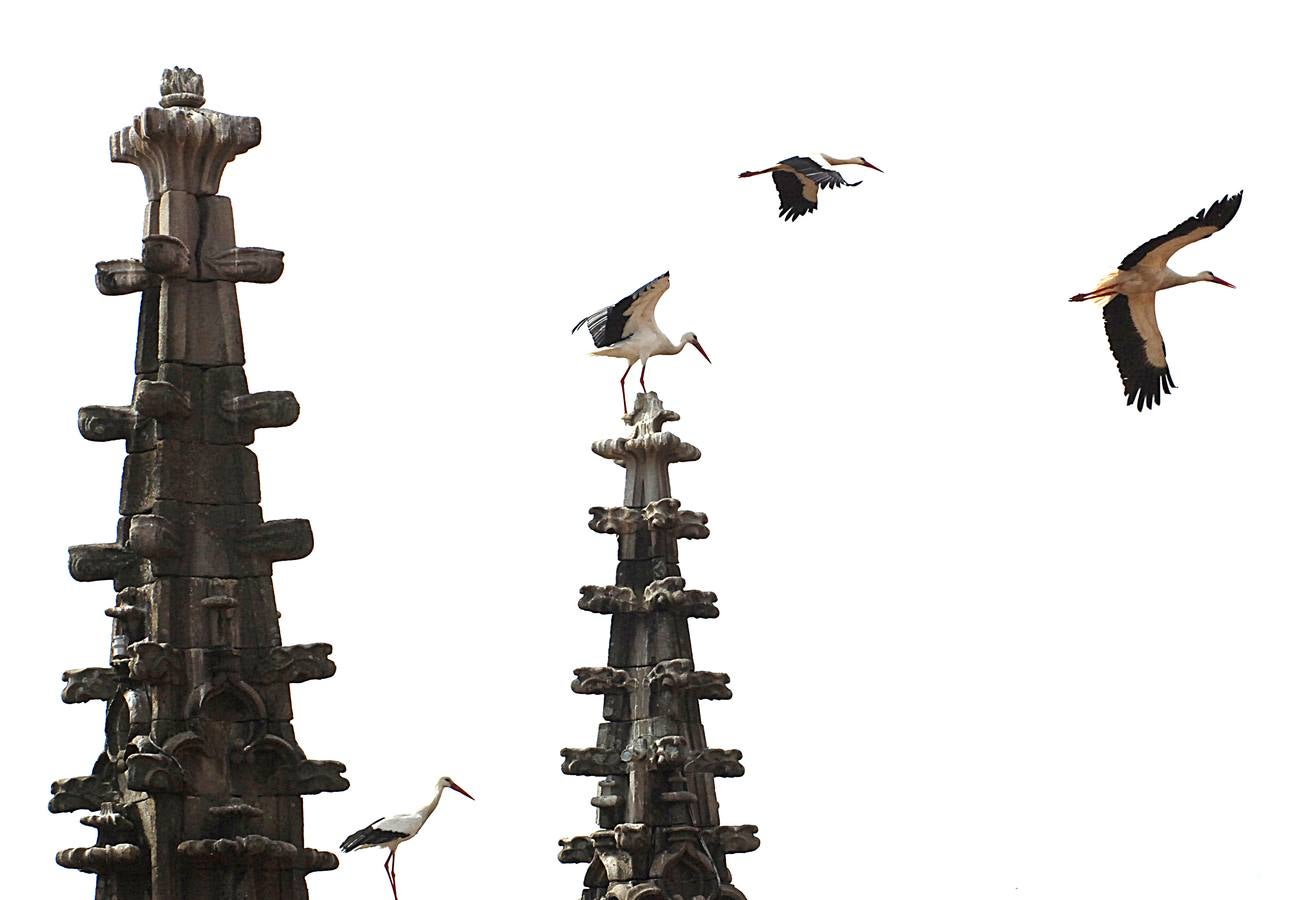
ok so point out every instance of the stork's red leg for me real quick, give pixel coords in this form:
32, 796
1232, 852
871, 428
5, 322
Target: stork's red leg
642, 375
391, 861
622, 384
1094, 295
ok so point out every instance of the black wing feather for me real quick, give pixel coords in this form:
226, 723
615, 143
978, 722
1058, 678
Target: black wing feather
817, 173
369, 836
606, 325
1143, 382
792, 202
1216, 216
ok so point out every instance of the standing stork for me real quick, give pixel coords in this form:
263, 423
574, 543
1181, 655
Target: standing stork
798, 178
1128, 298
394, 830
628, 331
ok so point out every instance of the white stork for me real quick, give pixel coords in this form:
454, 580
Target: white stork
1128, 297
628, 331
798, 178
394, 830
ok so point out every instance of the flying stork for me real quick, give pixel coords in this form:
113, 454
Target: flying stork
393, 830
798, 178
628, 331
1128, 298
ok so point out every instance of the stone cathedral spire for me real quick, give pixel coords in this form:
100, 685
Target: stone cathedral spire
659, 835
198, 792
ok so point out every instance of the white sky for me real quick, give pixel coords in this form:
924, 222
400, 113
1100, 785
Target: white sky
992, 634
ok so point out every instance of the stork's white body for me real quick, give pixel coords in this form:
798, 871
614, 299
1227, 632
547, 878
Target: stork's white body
405, 825
1143, 280
646, 341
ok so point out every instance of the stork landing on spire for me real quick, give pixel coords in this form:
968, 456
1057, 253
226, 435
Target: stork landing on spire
628, 331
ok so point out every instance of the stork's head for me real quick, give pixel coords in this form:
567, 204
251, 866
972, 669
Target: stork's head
445, 782
850, 161
689, 338
1209, 276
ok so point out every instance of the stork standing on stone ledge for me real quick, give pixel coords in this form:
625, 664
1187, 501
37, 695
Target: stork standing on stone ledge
1128, 297
394, 830
628, 331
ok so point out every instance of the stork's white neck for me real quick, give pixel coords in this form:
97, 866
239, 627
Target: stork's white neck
427, 811
1173, 279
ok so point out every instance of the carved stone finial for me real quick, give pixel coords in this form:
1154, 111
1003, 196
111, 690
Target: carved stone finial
648, 415
182, 87
649, 451
183, 148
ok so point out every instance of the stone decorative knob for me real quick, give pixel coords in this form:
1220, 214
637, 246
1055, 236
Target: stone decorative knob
182, 87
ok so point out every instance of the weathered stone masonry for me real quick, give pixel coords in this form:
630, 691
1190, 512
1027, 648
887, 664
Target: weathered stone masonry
198, 793
659, 835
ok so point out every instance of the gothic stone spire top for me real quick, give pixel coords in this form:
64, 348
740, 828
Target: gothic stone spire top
659, 835
199, 787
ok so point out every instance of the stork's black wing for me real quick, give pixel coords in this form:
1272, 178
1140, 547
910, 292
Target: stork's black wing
817, 173
369, 836
1138, 347
608, 326
793, 193
1197, 227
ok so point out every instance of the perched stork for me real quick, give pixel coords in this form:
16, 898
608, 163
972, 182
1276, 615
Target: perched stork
1128, 297
798, 178
394, 830
628, 331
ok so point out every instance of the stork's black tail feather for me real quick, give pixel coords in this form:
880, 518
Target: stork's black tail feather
366, 837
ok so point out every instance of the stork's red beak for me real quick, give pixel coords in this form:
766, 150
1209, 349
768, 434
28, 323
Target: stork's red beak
1217, 280
873, 166
456, 787
700, 348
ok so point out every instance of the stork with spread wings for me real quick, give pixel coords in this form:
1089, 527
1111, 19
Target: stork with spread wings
1128, 297
628, 331
798, 179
